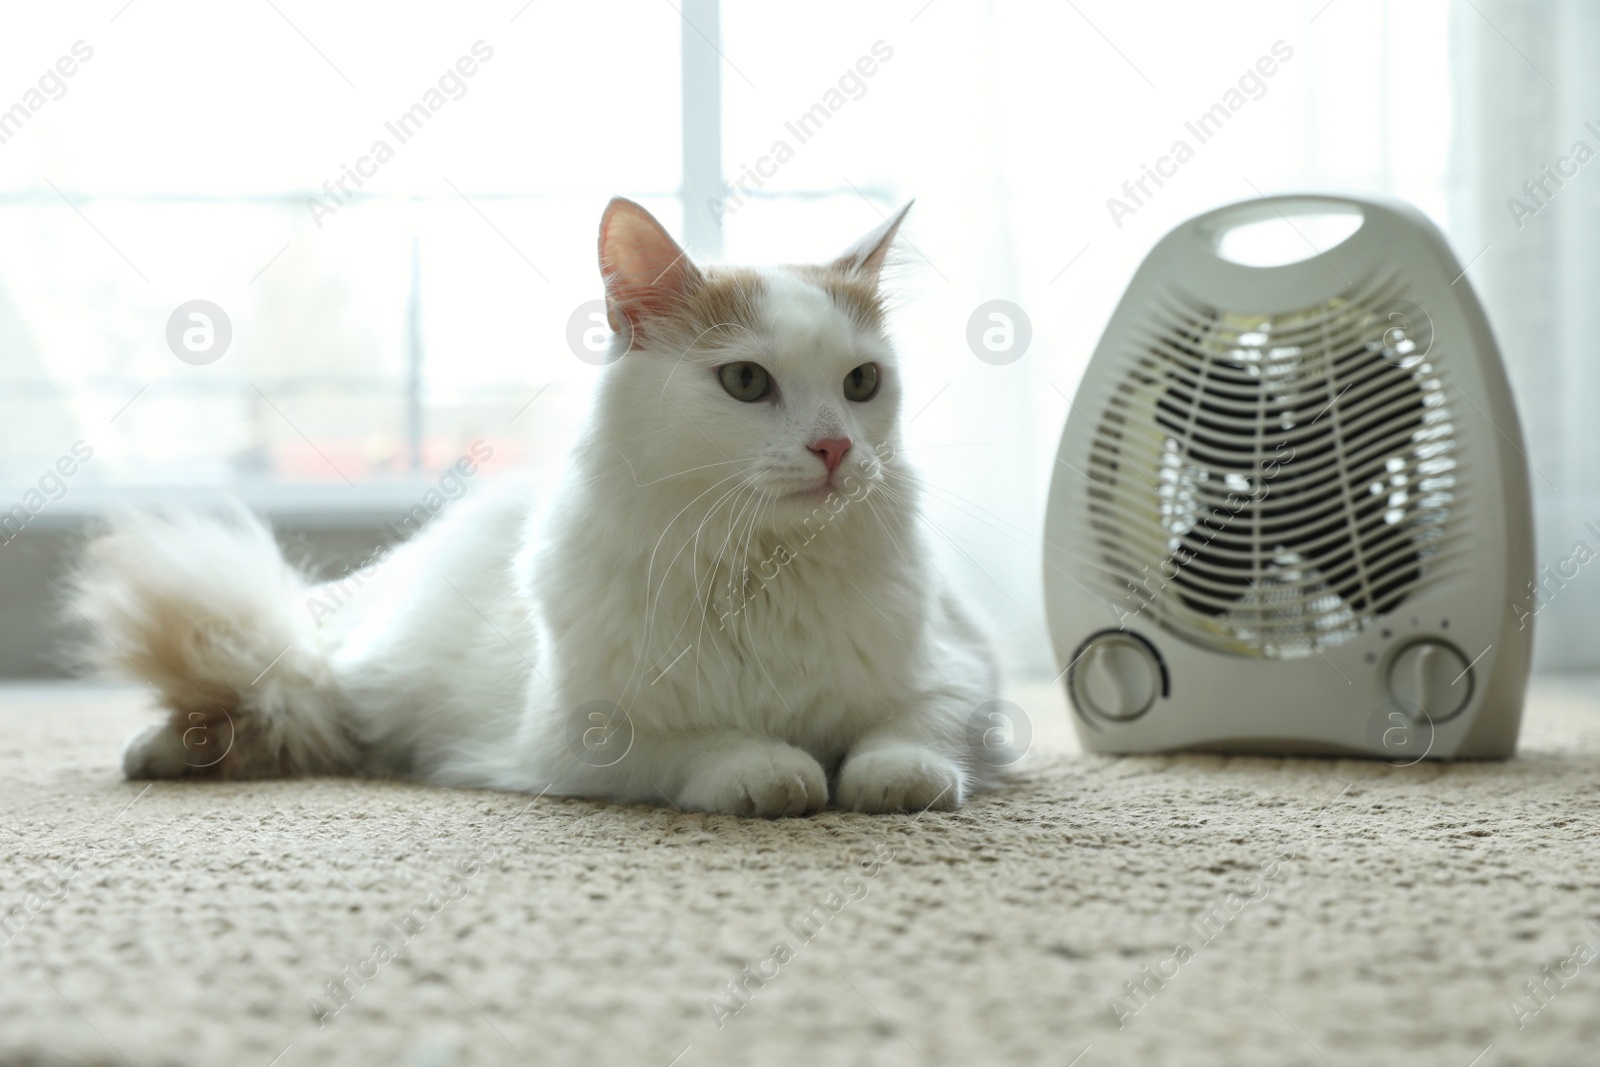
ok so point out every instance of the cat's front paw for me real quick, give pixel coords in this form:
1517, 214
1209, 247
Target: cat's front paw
900, 779
767, 782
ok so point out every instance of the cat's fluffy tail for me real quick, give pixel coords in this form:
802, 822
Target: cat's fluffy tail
205, 609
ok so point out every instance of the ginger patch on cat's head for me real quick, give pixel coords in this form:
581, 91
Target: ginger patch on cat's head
657, 295
852, 292
722, 299
778, 385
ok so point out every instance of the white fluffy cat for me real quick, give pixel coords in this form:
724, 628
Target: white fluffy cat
730, 606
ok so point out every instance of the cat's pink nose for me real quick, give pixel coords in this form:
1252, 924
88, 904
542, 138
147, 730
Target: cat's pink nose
831, 451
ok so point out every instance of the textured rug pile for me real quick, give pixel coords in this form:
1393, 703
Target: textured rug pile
1173, 910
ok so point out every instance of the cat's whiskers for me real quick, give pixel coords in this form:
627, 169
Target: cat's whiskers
1032, 545
884, 524
743, 511
732, 497
983, 513
752, 647
763, 508
704, 602
950, 539
691, 470
704, 597
750, 517
650, 567
653, 600
665, 477
723, 565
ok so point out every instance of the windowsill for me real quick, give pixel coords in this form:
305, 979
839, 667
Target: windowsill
322, 526
310, 506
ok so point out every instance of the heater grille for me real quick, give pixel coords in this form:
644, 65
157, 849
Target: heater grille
1268, 485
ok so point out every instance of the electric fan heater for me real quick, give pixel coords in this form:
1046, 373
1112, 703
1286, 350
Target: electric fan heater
1290, 509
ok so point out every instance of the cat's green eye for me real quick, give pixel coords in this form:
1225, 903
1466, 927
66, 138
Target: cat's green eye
861, 383
745, 381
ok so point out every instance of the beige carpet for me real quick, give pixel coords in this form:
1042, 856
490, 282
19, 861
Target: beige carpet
190, 923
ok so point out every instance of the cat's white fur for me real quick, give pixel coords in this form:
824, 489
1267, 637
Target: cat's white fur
699, 618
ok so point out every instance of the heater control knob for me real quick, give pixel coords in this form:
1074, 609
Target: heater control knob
1116, 677
1434, 676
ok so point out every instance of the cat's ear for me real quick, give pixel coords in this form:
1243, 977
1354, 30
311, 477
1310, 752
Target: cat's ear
645, 272
866, 256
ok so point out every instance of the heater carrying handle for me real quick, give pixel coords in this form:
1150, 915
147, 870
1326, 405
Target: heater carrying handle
1194, 250
1216, 224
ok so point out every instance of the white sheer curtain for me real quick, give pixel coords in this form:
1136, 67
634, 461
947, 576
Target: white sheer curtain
1013, 125
1527, 95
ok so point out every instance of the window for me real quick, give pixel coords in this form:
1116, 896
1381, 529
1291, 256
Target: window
393, 209
375, 336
